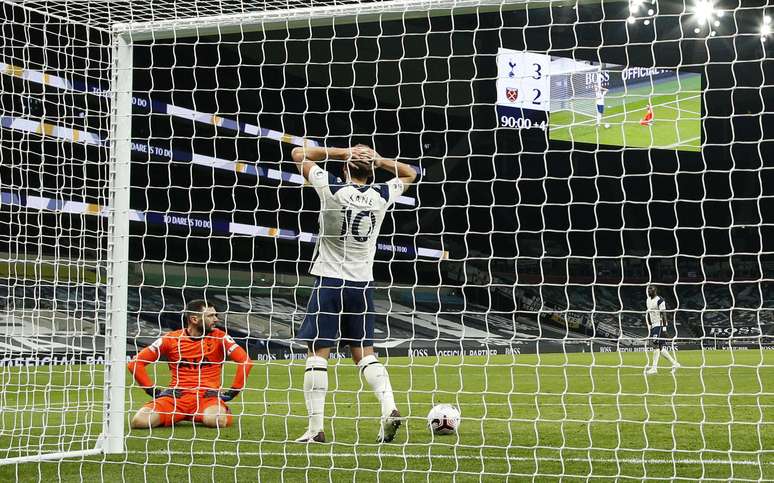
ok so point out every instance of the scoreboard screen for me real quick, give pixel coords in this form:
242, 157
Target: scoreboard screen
589, 102
523, 89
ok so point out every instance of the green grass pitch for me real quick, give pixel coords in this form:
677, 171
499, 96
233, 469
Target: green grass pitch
578, 416
676, 108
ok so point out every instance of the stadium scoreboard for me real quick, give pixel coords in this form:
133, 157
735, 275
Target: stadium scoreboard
523, 89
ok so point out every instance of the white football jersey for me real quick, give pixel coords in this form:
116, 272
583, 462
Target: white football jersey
656, 306
350, 219
600, 94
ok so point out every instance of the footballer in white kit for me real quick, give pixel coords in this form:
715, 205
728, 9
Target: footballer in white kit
656, 318
350, 219
600, 92
341, 307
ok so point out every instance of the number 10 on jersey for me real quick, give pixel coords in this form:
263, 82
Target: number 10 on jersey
360, 225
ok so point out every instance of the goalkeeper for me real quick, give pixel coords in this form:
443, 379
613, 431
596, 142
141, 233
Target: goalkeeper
196, 355
341, 305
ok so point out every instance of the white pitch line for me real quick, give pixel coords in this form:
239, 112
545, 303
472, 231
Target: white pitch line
633, 461
674, 145
584, 405
98, 410
592, 119
684, 118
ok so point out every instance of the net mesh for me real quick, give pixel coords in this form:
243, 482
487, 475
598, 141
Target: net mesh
573, 92
509, 281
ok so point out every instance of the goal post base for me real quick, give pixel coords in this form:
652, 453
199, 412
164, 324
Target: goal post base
99, 448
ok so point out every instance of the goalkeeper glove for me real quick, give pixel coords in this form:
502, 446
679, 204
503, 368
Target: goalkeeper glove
224, 396
157, 392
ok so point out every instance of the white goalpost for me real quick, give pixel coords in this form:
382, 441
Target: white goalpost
553, 297
118, 246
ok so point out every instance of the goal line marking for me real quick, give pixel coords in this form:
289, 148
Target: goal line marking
98, 408
638, 461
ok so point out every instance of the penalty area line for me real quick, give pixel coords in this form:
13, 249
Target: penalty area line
630, 461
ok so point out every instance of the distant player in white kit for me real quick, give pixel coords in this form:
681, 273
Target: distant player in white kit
656, 319
600, 92
341, 305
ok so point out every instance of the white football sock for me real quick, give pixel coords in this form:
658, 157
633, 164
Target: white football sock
668, 355
656, 354
315, 389
376, 375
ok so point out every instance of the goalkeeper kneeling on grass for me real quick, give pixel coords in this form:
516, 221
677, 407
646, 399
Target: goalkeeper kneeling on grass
196, 355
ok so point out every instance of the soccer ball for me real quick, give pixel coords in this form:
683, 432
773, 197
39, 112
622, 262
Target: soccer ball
443, 419
607, 125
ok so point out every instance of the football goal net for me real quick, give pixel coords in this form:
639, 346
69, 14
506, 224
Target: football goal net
551, 298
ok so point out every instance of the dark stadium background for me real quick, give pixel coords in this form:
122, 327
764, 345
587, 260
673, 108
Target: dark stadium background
576, 226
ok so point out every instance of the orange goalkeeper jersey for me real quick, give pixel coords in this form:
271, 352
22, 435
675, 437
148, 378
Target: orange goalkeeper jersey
194, 362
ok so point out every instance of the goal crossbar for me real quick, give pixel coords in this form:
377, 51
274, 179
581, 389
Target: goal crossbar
257, 21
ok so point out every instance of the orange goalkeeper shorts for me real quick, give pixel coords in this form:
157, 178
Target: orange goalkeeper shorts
188, 407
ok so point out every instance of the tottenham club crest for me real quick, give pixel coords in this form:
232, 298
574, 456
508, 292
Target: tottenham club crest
511, 93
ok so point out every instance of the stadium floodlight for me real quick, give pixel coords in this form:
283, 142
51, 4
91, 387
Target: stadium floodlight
765, 28
631, 19
635, 5
646, 22
704, 11
651, 11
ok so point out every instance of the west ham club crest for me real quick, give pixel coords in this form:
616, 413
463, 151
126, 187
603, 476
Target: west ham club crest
511, 93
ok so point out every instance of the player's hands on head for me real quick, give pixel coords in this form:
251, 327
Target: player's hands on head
358, 164
365, 156
357, 158
360, 151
